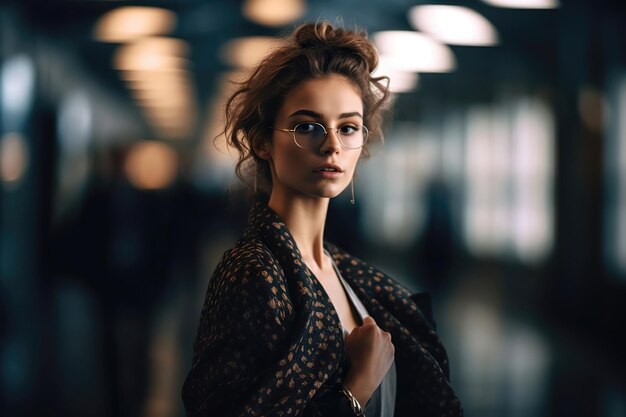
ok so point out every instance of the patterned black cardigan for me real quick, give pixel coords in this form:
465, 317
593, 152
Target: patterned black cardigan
269, 342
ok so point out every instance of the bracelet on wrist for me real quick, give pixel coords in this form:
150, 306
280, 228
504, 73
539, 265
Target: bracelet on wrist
352, 401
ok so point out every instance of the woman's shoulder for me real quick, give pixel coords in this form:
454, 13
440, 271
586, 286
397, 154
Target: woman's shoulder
249, 251
245, 293
248, 274
248, 264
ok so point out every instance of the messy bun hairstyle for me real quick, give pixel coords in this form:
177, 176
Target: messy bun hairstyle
313, 50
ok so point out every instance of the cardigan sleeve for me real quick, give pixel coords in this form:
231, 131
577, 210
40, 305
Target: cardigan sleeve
247, 361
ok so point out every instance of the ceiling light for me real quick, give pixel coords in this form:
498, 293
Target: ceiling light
151, 165
524, 4
273, 12
131, 22
414, 52
158, 46
247, 52
149, 62
152, 54
402, 81
161, 90
164, 80
140, 75
172, 96
454, 25
179, 114
399, 81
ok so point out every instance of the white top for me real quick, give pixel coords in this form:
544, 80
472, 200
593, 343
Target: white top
383, 400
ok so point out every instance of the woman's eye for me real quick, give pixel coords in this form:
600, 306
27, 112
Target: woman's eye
348, 129
306, 128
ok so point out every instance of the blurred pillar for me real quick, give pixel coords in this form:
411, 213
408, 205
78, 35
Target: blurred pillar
24, 225
575, 291
27, 141
578, 252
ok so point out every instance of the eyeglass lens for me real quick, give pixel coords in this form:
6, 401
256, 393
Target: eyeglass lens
311, 135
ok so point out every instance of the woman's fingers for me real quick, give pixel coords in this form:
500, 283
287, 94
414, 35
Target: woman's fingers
370, 351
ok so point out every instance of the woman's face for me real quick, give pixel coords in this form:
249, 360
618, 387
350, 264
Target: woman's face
333, 102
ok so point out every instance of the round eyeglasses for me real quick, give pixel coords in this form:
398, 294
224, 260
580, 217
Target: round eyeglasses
311, 135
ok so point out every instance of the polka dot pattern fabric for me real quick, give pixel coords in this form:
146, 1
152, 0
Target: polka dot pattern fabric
269, 342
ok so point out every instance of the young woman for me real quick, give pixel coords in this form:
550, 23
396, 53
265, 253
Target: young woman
292, 325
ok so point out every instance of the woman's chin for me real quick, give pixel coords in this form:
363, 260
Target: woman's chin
315, 190
326, 193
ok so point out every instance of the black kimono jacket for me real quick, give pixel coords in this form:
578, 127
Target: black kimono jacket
270, 343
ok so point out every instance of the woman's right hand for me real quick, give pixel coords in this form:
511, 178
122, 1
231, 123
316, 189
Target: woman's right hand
370, 352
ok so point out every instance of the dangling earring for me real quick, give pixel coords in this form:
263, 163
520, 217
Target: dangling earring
352, 186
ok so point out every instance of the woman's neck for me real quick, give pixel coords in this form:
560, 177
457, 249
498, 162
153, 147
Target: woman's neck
305, 217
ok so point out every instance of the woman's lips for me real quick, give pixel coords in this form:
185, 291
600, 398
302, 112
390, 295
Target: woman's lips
328, 174
329, 171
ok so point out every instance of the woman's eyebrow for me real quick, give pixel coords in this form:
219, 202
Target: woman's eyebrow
304, 112
319, 116
351, 114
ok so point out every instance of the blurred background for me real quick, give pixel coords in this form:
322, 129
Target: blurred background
501, 190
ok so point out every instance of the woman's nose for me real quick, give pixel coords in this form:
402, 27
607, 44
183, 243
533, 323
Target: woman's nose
331, 143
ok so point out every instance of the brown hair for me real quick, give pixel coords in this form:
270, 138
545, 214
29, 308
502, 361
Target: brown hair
312, 50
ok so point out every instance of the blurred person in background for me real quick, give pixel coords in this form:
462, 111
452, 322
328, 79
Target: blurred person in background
131, 252
291, 324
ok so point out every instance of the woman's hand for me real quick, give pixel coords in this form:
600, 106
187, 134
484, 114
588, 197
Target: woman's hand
370, 352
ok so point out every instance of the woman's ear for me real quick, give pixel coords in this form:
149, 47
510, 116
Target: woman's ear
263, 147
